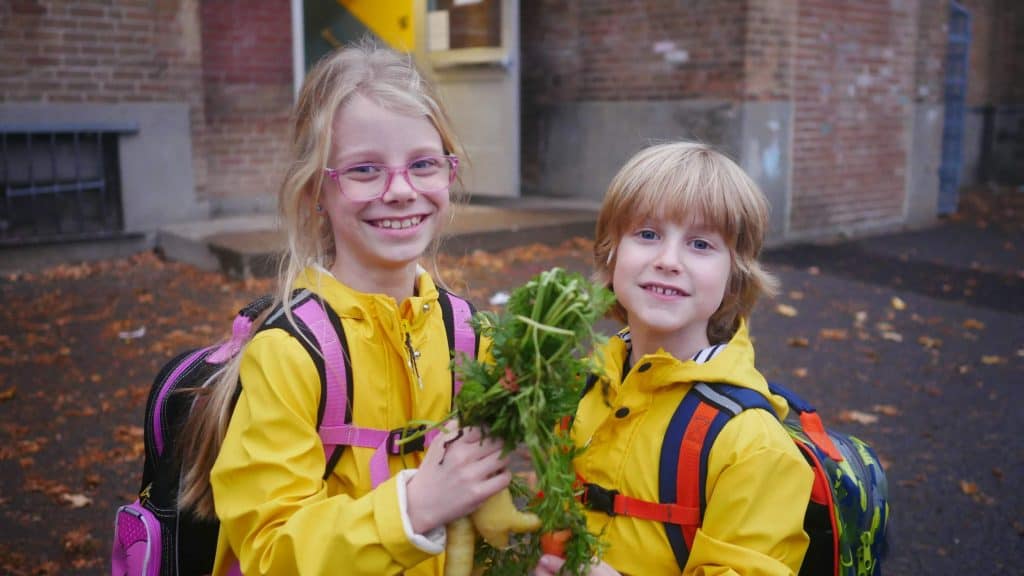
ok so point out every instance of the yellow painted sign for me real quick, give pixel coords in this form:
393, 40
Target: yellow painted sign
390, 20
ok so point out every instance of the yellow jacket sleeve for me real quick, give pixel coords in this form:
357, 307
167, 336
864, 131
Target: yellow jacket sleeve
758, 487
275, 508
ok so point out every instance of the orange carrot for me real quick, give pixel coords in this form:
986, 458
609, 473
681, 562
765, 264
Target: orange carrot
554, 542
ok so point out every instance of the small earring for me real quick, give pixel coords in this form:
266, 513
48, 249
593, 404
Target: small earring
319, 207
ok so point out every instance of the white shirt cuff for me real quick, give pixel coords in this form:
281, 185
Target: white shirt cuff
432, 542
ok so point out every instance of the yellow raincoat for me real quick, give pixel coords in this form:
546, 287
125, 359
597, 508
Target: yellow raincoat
758, 484
276, 512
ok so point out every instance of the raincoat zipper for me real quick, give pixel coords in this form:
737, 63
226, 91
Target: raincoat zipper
414, 354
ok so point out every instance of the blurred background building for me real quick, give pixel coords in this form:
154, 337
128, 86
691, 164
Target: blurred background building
120, 116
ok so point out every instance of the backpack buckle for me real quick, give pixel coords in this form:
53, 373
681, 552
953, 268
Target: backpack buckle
396, 435
599, 498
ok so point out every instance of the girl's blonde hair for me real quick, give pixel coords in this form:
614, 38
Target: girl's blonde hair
390, 80
681, 181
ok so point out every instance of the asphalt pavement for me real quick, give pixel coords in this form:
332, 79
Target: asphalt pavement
912, 341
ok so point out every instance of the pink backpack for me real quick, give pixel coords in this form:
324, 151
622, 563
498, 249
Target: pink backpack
151, 536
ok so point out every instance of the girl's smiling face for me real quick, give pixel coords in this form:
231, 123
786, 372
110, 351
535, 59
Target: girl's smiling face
671, 278
388, 234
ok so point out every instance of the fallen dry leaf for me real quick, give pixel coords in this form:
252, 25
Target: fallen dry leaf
886, 409
834, 334
786, 310
798, 342
971, 489
897, 303
992, 360
929, 342
892, 336
858, 417
76, 500
8, 394
79, 541
972, 324
800, 372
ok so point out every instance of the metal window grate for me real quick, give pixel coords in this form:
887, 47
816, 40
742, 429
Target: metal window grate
60, 182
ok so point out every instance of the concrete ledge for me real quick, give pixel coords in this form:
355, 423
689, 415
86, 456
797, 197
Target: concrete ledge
191, 241
38, 257
250, 246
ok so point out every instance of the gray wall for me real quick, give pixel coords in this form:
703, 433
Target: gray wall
157, 182
581, 145
925, 156
766, 155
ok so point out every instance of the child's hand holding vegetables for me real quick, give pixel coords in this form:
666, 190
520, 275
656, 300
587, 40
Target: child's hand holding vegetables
519, 397
480, 503
459, 472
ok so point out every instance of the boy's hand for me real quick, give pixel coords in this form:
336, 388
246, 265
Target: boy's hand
458, 473
550, 565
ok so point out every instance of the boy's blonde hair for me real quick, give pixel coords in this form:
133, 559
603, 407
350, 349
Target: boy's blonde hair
392, 81
681, 181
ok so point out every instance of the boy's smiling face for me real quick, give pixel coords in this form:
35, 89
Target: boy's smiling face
671, 277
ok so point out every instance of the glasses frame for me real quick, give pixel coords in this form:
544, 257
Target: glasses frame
335, 174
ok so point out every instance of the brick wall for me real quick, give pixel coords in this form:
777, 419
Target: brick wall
996, 67
852, 91
229, 60
104, 51
1007, 54
979, 66
930, 51
247, 75
632, 50
770, 41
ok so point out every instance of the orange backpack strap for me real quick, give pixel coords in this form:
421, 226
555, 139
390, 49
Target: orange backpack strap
683, 468
683, 465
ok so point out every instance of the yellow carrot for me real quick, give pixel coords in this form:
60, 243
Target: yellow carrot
498, 517
460, 547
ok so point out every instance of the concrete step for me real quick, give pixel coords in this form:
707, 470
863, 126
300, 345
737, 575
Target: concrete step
249, 246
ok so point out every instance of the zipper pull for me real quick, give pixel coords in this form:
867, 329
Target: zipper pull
413, 355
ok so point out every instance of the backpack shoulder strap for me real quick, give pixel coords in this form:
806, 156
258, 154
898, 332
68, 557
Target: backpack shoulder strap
321, 333
810, 421
462, 339
323, 336
683, 465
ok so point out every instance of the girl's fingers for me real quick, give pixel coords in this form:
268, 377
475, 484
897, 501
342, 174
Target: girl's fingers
496, 483
549, 564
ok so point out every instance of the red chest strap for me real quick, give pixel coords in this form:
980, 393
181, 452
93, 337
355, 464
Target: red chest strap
612, 503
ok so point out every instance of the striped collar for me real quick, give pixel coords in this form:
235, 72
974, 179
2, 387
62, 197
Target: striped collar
702, 356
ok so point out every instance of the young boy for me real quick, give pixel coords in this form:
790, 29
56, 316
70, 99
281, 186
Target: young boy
677, 241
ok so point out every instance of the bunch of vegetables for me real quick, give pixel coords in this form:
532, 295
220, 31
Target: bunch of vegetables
524, 396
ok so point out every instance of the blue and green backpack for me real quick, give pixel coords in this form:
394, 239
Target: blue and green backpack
848, 512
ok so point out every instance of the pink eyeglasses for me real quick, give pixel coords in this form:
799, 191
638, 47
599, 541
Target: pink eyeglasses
368, 181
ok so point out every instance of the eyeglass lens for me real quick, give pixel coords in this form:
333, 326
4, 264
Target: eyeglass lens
369, 181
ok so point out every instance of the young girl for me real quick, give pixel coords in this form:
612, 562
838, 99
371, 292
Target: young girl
677, 241
365, 196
